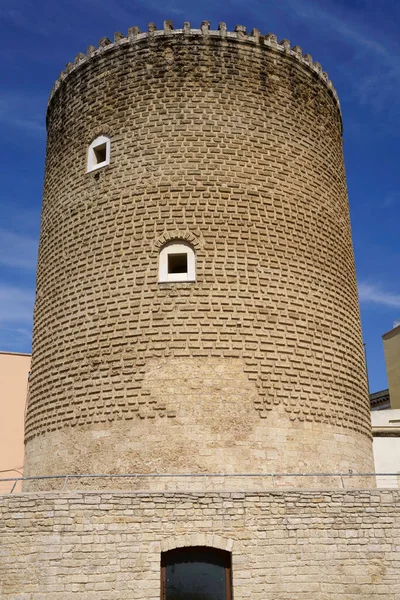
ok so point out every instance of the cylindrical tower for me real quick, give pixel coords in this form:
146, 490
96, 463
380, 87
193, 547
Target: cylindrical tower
196, 307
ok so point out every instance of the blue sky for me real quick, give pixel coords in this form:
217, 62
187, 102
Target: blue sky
357, 42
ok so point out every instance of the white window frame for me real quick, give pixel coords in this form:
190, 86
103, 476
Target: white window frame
92, 165
177, 247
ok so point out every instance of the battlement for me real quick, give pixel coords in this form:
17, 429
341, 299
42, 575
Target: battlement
239, 35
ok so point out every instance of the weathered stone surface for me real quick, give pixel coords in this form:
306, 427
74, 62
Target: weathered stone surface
304, 545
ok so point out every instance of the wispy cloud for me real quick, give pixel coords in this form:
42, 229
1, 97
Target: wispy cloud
312, 12
380, 86
118, 10
16, 305
123, 10
175, 11
17, 251
18, 217
391, 199
370, 293
380, 77
23, 111
19, 20
15, 339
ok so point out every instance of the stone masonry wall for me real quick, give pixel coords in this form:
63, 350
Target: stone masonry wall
232, 142
314, 545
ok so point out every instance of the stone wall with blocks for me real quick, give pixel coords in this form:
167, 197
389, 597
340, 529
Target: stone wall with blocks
107, 545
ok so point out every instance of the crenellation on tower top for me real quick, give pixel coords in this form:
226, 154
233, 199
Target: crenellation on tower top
90, 51
205, 27
133, 32
285, 45
240, 31
271, 39
79, 58
239, 34
318, 68
255, 33
297, 51
104, 42
168, 26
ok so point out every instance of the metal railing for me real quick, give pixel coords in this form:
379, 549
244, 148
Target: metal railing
274, 481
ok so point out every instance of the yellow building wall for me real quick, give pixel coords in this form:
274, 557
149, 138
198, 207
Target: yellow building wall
391, 346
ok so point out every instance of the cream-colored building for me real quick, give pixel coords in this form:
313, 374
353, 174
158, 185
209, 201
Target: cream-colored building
14, 373
386, 421
391, 346
386, 432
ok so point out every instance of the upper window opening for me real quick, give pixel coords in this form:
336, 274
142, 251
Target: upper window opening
195, 573
99, 153
177, 262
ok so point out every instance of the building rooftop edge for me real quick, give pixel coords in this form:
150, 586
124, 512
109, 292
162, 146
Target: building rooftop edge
379, 393
15, 353
239, 34
391, 333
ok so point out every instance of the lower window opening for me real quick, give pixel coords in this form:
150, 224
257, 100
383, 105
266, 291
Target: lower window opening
196, 573
177, 262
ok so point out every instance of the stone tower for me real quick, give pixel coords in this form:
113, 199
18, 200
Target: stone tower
240, 351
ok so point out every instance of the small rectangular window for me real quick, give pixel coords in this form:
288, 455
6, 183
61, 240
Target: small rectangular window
100, 153
177, 263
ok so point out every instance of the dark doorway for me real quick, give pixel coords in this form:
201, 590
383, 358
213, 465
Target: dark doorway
196, 573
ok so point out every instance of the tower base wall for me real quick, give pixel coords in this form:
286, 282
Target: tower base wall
277, 450
329, 545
